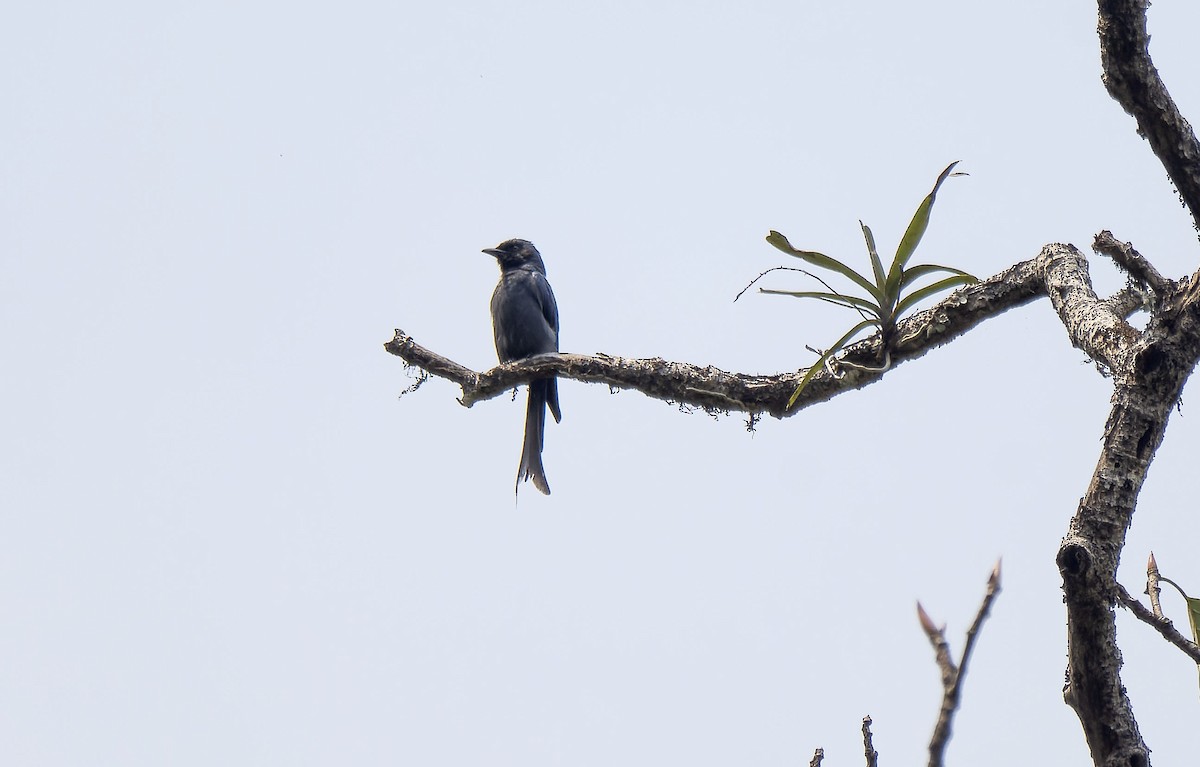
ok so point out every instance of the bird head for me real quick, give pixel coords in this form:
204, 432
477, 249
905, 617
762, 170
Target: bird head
515, 253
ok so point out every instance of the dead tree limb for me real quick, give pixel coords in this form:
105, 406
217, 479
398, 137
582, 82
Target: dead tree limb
1131, 78
953, 673
1060, 271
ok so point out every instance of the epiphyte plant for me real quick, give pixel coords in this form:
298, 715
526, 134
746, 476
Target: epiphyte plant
883, 301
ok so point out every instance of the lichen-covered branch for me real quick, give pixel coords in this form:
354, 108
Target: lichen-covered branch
1134, 263
1149, 378
1131, 78
1091, 324
1059, 271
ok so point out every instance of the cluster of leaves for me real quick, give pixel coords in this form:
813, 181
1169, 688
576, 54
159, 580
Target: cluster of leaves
884, 300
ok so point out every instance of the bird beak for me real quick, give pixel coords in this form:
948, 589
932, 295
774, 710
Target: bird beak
493, 252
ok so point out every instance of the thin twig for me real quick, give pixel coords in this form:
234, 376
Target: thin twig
952, 675
993, 588
941, 647
869, 751
1162, 625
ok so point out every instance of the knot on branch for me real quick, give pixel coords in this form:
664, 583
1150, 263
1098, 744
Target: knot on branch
1074, 560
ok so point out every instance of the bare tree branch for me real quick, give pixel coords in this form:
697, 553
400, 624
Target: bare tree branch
993, 589
1129, 299
1147, 390
403, 346
1091, 324
952, 674
1131, 79
1159, 623
1134, 263
941, 647
1059, 271
1148, 386
869, 752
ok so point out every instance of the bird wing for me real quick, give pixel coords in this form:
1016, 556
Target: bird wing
546, 300
550, 312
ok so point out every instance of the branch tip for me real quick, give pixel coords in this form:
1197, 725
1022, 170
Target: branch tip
869, 752
1133, 263
927, 623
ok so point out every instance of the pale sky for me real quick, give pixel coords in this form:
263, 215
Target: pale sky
225, 540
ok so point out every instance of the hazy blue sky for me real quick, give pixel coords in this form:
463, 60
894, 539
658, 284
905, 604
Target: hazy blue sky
224, 540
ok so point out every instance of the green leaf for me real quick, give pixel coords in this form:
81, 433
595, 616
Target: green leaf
837, 347
850, 302
1194, 616
916, 230
916, 272
825, 262
876, 264
929, 290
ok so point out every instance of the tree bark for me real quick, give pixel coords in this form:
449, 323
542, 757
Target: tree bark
1131, 79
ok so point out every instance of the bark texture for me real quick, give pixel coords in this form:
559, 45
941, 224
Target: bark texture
1148, 384
1132, 79
1150, 369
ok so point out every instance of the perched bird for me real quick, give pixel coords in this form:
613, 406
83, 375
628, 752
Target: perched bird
525, 324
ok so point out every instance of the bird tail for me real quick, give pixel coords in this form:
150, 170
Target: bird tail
535, 427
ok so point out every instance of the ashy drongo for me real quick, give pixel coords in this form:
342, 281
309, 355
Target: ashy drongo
525, 324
